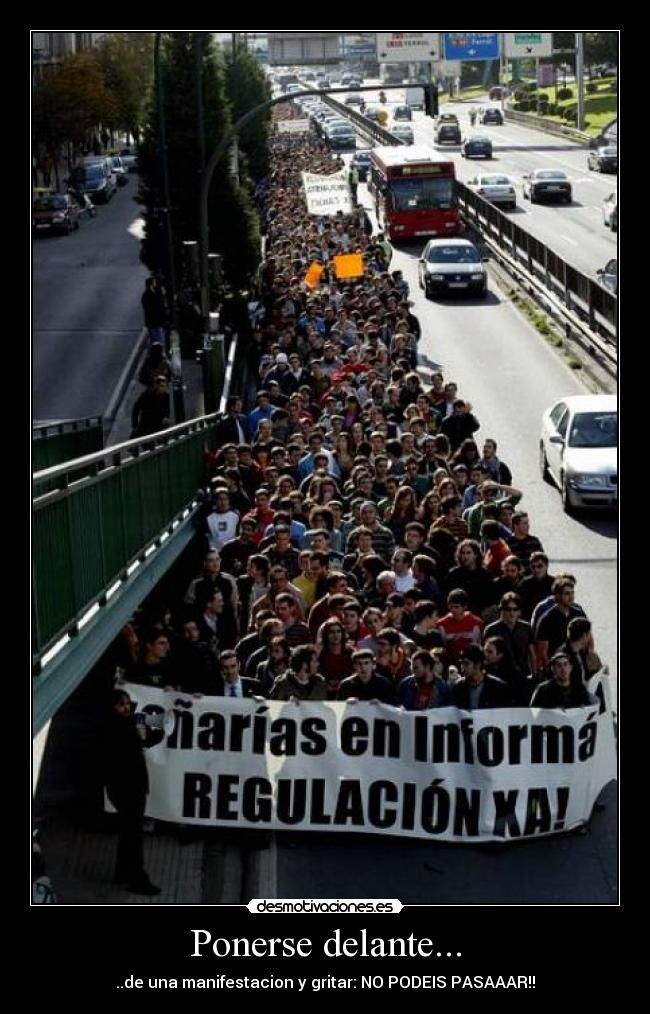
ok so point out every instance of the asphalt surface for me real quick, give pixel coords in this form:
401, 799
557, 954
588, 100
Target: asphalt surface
576, 232
86, 310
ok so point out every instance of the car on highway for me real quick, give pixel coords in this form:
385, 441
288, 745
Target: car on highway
604, 160
446, 118
490, 115
447, 133
578, 450
362, 160
498, 92
452, 267
403, 132
55, 213
402, 113
129, 158
495, 188
608, 276
610, 212
340, 136
353, 99
323, 83
477, 146
547, 184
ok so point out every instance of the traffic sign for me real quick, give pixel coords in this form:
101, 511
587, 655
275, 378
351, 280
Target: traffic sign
529, 44
407, 47
470, 45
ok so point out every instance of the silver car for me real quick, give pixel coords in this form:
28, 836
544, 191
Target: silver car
578, 450
495, 188
610, 212
403, 132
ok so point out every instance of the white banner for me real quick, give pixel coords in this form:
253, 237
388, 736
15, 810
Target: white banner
529, 44
293, 126
327, 194
442, 774
407, 47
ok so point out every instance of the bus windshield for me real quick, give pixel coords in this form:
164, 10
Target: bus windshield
422, 194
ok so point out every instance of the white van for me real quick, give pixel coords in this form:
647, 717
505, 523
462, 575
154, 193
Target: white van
414, 97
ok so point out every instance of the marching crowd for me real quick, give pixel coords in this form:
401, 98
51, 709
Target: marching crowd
361, 542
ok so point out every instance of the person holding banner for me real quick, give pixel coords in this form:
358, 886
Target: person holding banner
127, 786
476, 689
425, 688
560, 691
365, 684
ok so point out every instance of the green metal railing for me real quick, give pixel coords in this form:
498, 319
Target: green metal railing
53, 443
95, 516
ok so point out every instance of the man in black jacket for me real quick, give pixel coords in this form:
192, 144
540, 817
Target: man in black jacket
460, 425
560, 691
127, 786
233, 428
476, 689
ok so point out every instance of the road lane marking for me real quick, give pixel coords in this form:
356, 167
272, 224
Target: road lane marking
568, 239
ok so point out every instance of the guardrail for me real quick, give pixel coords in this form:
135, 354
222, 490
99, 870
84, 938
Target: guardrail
550, 126
70, 438
93, 517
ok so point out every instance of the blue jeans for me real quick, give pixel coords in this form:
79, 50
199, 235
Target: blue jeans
157, 334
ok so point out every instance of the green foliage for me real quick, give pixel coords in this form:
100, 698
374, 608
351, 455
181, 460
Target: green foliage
248, 86
564, 94
591, 87
520, 94
531, 86
601, 47
71, 100
525, 106
127, 65
233, 224
570, 113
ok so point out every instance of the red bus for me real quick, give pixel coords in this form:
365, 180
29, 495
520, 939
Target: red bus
415, 195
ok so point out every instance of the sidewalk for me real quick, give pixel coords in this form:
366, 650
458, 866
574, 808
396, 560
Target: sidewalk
80, 865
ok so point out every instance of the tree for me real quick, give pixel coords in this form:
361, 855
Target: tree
601, 47
70, 102
233, 223
127, 63
248, 86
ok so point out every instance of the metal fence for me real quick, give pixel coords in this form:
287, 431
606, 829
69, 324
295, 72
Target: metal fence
94, 516
62, 441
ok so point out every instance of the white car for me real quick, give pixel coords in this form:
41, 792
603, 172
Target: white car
578, 450
452, 267
610, 212
495, 188
403, 132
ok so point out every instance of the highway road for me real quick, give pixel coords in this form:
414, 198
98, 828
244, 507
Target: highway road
576, 232
86, 310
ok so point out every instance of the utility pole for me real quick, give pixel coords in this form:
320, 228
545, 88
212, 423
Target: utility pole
580, 80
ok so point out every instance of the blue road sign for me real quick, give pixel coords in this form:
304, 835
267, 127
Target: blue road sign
470, 45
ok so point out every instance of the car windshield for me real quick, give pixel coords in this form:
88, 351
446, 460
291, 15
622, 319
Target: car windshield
90, 173
362, 156
453, 255
594, 429
494, 181
420, 195
50, 204
480, 139
609, 151
549, 174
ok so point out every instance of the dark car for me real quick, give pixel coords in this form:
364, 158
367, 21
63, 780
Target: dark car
55, 212
488, 116
498, 92
354, 99
604, 160
361, 159
447, 133
340, 137
477, 147
547, 185
94, 180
